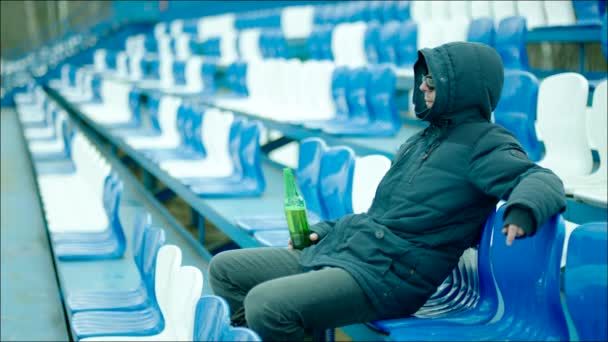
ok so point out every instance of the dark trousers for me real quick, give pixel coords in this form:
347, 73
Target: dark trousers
269, 292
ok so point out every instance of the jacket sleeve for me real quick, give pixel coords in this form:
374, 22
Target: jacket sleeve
322, 228
499, 167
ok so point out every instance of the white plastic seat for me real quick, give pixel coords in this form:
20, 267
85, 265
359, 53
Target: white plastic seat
176, 27
503, 9
559, 13
533, 11
249, 47
561, 109
420, 10
369, 171
455, 30
182, 46
297, 21
167, 120
184, 289
440, 10
115, 106
228, 48
481, 9
99, 60
121, 65
460, 9
430, 34
348, 44
596, 130
216, 138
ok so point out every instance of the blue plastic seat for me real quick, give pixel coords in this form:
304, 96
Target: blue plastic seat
67, 133
451, 302
211, 318
585, 281
587, 12
111, 248
208, 70
516, 110
307, 175
335, 191
481, 30
135, 108
407, 44
382, 93
358, 109
313, 43
389, 10
372, 42
511, 43
375, 11
132, 299
252, 182
150, 126
604, 35
240, 334
179, 72
325, 42
387, 47
142, 322
530, 291
335, 181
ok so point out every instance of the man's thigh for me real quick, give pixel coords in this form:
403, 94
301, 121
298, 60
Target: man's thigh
249, 267
321, 299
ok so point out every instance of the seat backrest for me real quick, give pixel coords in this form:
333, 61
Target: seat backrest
387, 48
587, 12
185, 290
240, 334
325, 106
192, 73
420, 10
440, 10
167, 115
251, 154
339, 85
516, 110
168, 263
455, 30
372, 42
403, 11
154, 239
585, 281
429, 34
313, 44
367, 174
311, 151
208, 70
212, 317
481, 9
381, 97
460, 9
562, 101
532, 291
559, 13
195, 134
511, 42
481, 30
596, 125
534, 12
358, 84
141, 225
217, 134
407, 44
336, 175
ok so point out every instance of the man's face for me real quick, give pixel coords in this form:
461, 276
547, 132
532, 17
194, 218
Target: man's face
427, 87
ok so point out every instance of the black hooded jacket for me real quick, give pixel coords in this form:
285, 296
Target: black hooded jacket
441, 187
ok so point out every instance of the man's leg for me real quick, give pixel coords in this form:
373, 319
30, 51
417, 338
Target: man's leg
282, 308
233, 273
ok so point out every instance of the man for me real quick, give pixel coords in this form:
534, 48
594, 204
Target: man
428, 208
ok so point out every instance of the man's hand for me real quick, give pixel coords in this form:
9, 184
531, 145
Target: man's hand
512, 231
314, 237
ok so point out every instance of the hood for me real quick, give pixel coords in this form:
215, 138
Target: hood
468, 79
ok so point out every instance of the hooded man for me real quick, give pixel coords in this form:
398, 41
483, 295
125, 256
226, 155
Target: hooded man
429, 207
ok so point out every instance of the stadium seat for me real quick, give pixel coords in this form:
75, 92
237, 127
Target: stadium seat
402, 10
533, 11
335, 187
212, 318
459, 9
429, 34
372, 42
585, 277
559, 13
339, 85
111, 248
387, 46
382, 101
448, 304
132, 299
420, 11
587, 12
240, 334
147, 321
529, 312
307, 175
167, 119
604, 35
407, 45
511, 43
481, 9
560, 113
481, 30
367, 174
185, 290
503, 9
247, 163
516, 110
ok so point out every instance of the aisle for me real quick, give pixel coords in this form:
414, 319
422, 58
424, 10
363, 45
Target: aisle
31, 307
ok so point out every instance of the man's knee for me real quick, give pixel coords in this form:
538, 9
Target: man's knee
220, 266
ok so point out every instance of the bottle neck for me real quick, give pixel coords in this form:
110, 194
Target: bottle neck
290, 183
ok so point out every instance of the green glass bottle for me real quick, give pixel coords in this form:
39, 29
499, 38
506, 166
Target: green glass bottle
295, 211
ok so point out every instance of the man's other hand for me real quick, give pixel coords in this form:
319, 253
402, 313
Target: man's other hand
314, 237
512, 231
